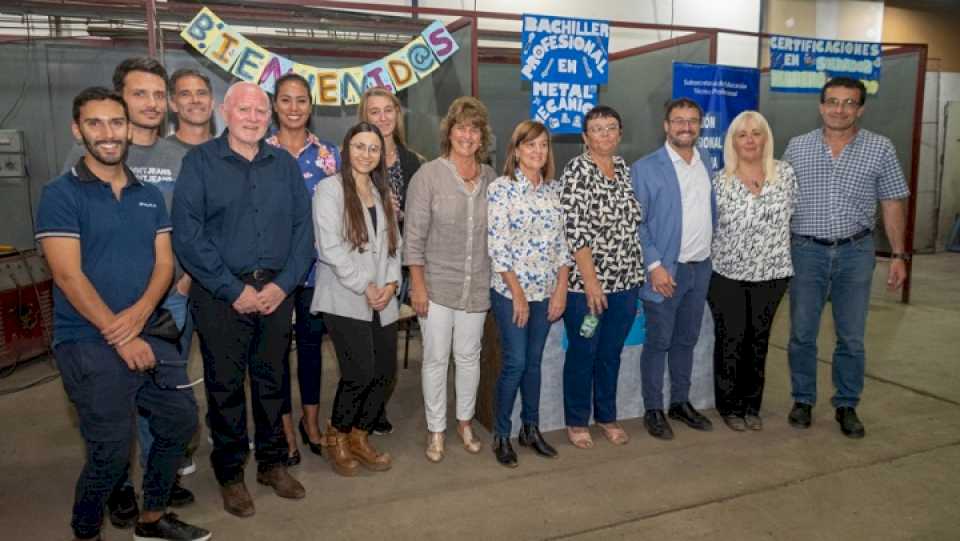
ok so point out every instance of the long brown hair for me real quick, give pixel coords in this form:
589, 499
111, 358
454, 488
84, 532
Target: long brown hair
354, 224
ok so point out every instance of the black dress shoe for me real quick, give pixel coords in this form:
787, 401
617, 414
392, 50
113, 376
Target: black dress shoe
382, 426
531, 437
315, 448
800, 415
504, 452
657, 425
123, 507
179, 496
850, 424
685, 413
292, 460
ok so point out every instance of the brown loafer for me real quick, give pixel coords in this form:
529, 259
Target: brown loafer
237, 500
284, 485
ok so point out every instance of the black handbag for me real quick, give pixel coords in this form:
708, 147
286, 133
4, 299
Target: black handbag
161, 325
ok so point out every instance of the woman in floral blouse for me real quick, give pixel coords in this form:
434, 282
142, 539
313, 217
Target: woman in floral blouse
530, 264
601, 221
292, 107
756, 196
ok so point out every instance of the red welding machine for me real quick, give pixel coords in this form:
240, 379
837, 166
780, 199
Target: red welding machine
26, 307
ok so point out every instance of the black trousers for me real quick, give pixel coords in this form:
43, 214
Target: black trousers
232, 345
367, 355
309, 330
742, 315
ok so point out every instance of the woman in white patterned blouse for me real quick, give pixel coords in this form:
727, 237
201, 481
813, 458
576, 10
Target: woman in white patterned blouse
756, 196
530, 262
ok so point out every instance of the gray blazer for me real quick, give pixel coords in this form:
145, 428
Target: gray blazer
343, 273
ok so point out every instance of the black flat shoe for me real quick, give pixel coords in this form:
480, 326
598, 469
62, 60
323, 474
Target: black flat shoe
315, 448
850, 424
382, 427
179, 496
531, 437
292, 460
686, 414
504, 452
657, 425
800, 415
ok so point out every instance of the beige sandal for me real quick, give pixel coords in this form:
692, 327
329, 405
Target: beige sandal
580, 437
614, 433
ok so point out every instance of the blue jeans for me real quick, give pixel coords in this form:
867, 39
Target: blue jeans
592, 365
105, 393
522, 351
843, 274
673, 327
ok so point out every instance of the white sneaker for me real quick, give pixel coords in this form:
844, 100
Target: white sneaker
187, 468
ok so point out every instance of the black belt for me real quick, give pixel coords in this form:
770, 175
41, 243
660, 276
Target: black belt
839, 242
258, 276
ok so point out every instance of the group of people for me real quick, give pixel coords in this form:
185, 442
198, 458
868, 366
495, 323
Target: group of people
255, 237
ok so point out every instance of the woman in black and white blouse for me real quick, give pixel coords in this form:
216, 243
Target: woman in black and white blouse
601, 221
756, 196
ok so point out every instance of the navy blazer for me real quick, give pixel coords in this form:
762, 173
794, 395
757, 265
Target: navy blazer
656, 187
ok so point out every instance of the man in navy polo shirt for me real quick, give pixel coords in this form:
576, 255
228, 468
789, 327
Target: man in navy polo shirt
106, 237
243, 231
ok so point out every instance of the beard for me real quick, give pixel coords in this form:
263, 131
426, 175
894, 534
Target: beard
94, 151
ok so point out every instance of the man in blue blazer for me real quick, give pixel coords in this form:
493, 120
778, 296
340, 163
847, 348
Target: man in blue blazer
679, 207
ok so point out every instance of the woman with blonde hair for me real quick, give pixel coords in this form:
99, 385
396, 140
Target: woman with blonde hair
382, 108
446, 249
756, 196
531, 262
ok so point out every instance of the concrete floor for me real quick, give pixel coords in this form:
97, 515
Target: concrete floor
901, 482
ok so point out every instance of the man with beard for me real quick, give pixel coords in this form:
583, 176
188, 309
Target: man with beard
243, 230
106, 237
142, 83
679, 209
842, 172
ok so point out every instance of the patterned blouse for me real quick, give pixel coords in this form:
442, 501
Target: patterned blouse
752, 240
603, 215
525, 235
395, 178
317, 160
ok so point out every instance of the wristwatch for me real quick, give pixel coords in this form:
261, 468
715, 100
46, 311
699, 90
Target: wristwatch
900, 255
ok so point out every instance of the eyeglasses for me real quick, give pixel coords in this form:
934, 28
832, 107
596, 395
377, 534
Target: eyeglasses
849, 104
603, 130
681, 122
361, 148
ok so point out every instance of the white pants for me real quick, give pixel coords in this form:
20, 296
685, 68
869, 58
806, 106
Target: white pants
442, 328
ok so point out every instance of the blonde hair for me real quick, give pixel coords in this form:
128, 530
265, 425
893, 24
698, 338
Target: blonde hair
528, 130
730, 159
470, 110
399, 131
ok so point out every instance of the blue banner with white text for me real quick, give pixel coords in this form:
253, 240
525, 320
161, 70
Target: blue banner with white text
723, 92
805, 64
565, 59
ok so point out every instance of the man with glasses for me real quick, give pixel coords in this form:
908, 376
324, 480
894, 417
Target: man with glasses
842, 171
243, 230
106, 237
679, 207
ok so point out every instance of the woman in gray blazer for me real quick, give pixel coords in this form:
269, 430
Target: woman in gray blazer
358, 272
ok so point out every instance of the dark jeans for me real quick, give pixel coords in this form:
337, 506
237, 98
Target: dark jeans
521, 353
592, 365
309, 330
742, 315
106, 394
233, 344
673, 327
844, 274
367, 355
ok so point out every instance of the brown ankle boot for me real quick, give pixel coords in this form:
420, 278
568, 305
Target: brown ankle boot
366, 454
339, 455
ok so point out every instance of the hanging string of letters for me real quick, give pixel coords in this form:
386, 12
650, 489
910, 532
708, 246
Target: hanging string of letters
330, 87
